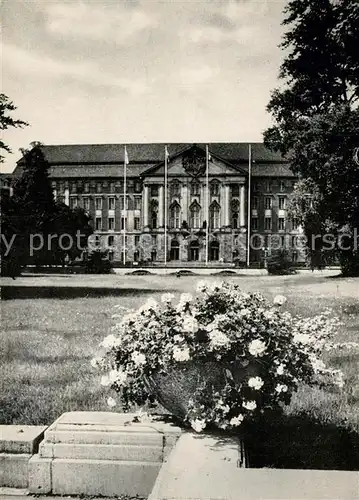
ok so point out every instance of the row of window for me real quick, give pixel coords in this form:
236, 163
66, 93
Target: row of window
268, 202
268, 184
268, 224
111, 223
97, 186
84, 202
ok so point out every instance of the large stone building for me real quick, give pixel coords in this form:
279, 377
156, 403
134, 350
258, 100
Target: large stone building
92, 177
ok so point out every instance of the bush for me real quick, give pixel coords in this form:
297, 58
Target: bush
97, 262
279, 262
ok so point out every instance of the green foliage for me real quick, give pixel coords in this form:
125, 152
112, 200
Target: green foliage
279, 262
97, 262
6, 121
316, 110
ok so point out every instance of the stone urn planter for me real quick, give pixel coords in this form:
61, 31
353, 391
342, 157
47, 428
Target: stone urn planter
175, 389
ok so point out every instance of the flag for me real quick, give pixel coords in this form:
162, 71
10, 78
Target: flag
126, 157
167, 154
209, 156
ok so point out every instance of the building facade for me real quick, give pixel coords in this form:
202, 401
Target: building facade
129, 212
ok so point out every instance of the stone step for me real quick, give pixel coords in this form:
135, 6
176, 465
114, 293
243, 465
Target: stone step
92, 477
104, 437
142, 453
14, 469
20, 438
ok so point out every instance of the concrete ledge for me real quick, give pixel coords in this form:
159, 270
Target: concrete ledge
205, 468
20, 438
14, 469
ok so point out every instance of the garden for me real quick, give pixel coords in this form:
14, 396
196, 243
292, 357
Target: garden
52, 331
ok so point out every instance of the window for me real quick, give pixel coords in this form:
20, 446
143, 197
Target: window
137, 240
235, 190
138, 203
153, 255
53, 184
175, 188
214, 189
255, 202
268, 185
154, 220
111, 203
98, 223
136, 256
111, 223
281, 186
73, 187
136, 223
268, 202
123, 223
255, 223
87, 187
293, 184
73, 203
175, 217
138, 187
86, 202
195, 189
255, 186
195, 216
154, 190
122, 203
281, 224
98, 203
235, 220
112, 187
214, 250
282, 202
110, 241
295, 224
267, 223
175, 250
110, 256
154, 240
97, 241
214, 216
98, 187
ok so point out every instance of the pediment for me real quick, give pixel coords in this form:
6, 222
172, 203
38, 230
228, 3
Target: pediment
192, 163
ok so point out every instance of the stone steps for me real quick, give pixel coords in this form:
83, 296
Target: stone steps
100, 453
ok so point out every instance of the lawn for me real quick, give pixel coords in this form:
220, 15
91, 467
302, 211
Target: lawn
47, 340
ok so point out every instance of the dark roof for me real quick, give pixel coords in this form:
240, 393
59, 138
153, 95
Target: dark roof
151, 152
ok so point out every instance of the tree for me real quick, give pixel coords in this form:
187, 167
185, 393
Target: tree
6, 121
316, 110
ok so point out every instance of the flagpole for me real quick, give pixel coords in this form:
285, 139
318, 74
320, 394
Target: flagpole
124, 205
207, 202
249, 203
165, 210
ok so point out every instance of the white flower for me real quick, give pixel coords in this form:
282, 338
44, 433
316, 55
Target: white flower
186, 297
178, 338
255, 382
201, 286
280, 369
218, 338
249, 405
317, 364
189, 324
111, 402
256, 347
149, 304
245, 312
105, 381
198, 425
302, 338
279, 300
110, 341
118, 376
138, 358
281, 388
181, 354
235, 421
167, 297
95, 362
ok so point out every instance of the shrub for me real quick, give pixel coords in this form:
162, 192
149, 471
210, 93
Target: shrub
97, 262
216, 360
279, 262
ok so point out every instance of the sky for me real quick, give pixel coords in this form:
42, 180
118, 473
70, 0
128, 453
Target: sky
122, 71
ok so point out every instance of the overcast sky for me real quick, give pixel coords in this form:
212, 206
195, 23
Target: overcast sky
95, 71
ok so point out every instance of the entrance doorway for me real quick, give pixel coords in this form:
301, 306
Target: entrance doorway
174, 252
193, 251
214, 250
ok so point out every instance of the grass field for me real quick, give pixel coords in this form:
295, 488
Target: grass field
47, 340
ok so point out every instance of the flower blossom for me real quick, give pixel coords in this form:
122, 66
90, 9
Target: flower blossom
95, 362
110, 342
249, 405
279, 300
138, 358
257, 347
181, 354
281, 388
235, 421
167, 297
149, 304
111, 402
218, 338
189, 324
255, 382
198, 425
280, 369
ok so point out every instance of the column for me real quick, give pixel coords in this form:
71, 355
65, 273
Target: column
145, 206
223, 205
67, 197
184, 202
226, 206
242, 216
160, 207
